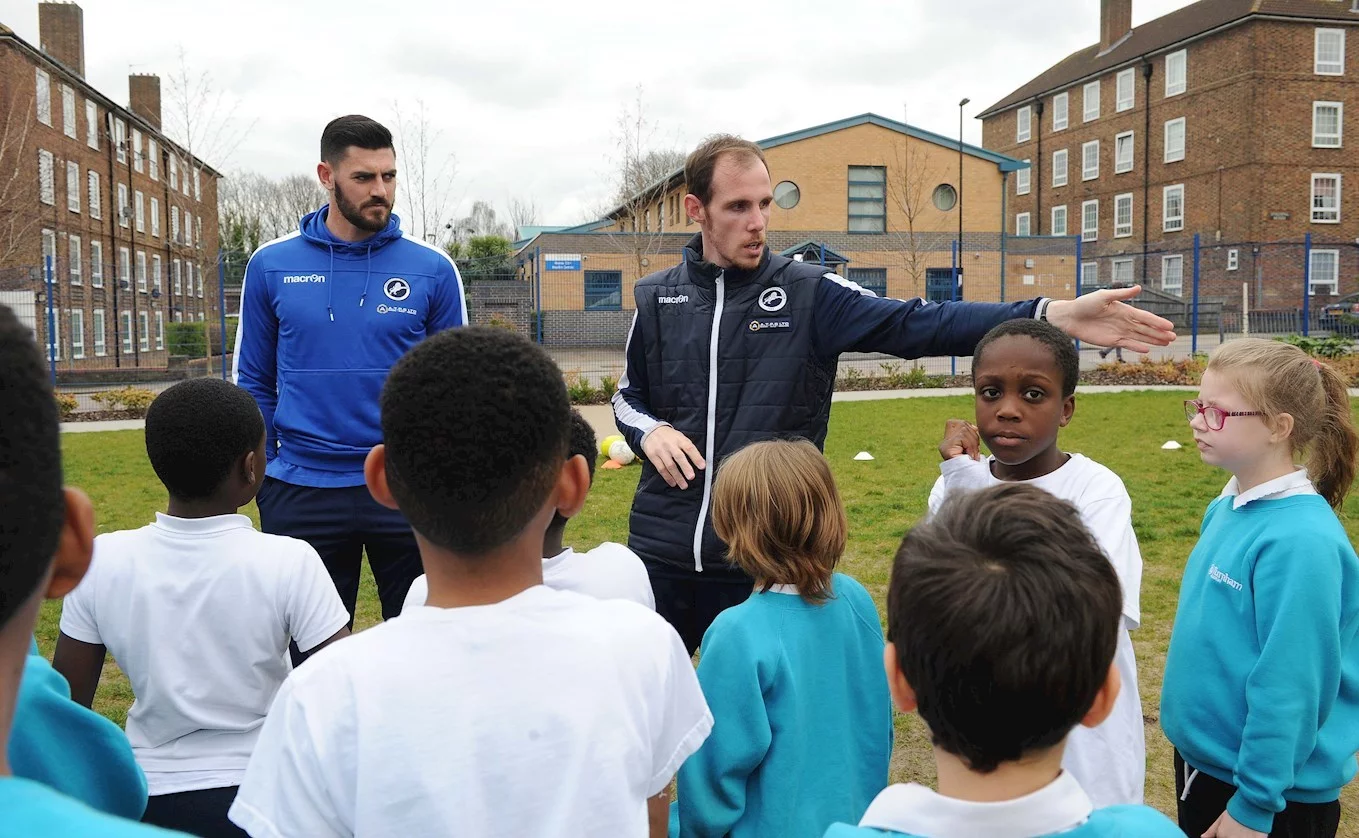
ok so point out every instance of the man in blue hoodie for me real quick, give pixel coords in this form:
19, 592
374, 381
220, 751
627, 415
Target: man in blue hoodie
325, 313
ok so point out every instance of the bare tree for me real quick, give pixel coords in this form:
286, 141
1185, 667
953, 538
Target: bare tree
641, 168
19, 215
483, 221
427, 173
523, 213
253, 209
910, 189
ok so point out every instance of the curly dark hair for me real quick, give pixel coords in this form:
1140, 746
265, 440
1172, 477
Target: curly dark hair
196, 431
1058, 342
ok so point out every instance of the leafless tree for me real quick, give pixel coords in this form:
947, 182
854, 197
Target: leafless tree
910, 189
482, 221
523, 213
641, 166
253, 209
19, 216
427, 173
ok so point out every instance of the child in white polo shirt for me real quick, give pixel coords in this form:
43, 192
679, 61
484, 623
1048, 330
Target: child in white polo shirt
1002, 619
609, 571
198, 609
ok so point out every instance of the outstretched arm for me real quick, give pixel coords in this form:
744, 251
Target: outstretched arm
1101, 318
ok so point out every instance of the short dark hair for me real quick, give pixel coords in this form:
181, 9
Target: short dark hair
196, 431
583, 443
702, 161
1005, 615
1058, 342
353, 130
476, 422
32, 506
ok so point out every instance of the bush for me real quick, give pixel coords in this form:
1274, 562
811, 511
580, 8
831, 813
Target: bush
190, 339
126, 398
1332, 346
66, 404
1184, 371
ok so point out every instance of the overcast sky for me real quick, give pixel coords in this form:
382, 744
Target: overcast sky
526, 94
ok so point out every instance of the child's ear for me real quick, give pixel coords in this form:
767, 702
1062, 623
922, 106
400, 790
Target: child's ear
902, 694
1068, 410
573, 484
1104, 699
75, 547
249, 468
375, 475
1281, 427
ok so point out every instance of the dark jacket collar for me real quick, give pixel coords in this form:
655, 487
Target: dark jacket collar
705, 273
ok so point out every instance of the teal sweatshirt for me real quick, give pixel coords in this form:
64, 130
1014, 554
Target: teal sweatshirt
1262, 677
802, 719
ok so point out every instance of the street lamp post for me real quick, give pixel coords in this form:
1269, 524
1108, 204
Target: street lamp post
960, 182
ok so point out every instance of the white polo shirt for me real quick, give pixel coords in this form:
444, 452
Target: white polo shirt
609, 571
198, 613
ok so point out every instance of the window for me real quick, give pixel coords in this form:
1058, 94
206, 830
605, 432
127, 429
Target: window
126, 324
870, 279
1123, 215
1024, 124
155, 274
49, 251
68, 111
1175, 73
73, 186
96, 202
141, 271
73, 258
188, 228
1022, 224
197, 191
1174, 140
47, 187
1172, 275
1090, 221
1125, 91
1233, 261
96, 264
1090, 160
91, 125
184, 181
867, 199
1059, 167
97, 324
1022, 180
155, 218
153, 159
174, 277
198, 231
120, 137
1329, 54
786, 195
1059, 111
603, 290
1089, 274
124, 267
1090, 101
1172, 208
138, 159
1123, 152
1327, 124
174, 172
174, 224
1059, 221
160, 329
140, 201
123, 212
1123, 272
945, 197
143, 331
77, 333
1326, 199
197, 271
44, 96
1323, 276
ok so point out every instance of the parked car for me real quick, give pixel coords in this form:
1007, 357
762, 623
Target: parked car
1341, 316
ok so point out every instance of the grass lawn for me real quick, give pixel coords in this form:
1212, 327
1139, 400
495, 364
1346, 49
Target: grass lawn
1124, 431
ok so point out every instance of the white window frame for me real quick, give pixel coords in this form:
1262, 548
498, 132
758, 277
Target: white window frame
155, 273
1120, 164
73, 186
175, 281
42, 92
98, 324
1089, 103
1023, 179
140, 262
155, 218
1123, 231
174, 171
120, 140
174, 223
1061, 111
153, 159
139, 210
95, 196
160, 329
1323, 215
138, 159
47, 177
188, 229
1125, 90
125, 325
1312, 281
1060, 166
1089, 232
1327, 68
198, 192
1335, 140
1088, 173
1172, 223
96, 263
124, 206
1114, 271
1090, 267
77, 318
91, 124
1059, 212
1233, 259
125, 267
1174, 156
68, 111
1024, 124
197, 271
73, 259
1023, 224
198, 230
144, 331
1176, 86
1178, 287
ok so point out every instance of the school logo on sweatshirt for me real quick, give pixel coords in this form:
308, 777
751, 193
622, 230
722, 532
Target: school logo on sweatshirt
396, 289
773, 299
1220, 576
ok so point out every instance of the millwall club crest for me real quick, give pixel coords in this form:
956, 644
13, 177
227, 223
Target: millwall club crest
396, 289
773, 299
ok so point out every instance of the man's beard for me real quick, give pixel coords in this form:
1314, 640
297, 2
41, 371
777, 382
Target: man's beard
354, 213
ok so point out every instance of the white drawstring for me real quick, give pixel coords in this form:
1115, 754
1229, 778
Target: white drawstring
1189, 778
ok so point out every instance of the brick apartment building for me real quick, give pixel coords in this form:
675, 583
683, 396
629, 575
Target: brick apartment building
1225, 118
128, 217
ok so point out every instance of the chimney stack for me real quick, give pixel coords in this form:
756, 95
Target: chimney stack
61, 34
143, 97
1115, 21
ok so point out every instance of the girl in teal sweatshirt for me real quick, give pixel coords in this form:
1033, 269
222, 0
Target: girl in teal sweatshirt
1261, 693
802, 718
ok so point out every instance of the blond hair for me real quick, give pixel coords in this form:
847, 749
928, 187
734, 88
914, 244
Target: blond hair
1280, 378
776, 506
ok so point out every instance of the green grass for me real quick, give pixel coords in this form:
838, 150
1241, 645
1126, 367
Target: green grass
1124, 431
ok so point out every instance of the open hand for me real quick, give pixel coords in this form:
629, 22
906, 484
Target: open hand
1226, 827
673, 455
1101, 318
960, 437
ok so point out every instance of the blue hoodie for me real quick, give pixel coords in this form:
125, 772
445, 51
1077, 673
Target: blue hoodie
322, 322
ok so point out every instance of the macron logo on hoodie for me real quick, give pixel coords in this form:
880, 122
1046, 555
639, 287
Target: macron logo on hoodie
289, 280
